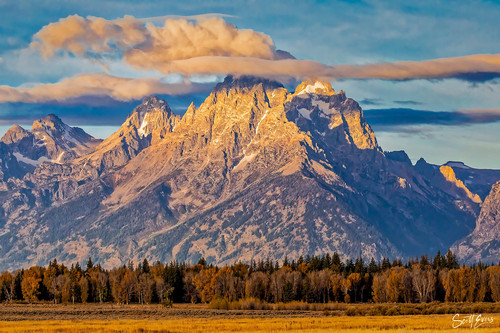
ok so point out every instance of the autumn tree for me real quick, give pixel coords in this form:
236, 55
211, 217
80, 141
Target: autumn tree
423, 281
337, 281
395, 283
353, 284
379, 287
7, 286
205, 283
145, 287
31, 283
467, 279
191, 293
320, 285
257, 286
494, 282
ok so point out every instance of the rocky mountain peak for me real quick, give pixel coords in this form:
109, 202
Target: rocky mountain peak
399, 155
49, 139
318, 87
150, 104
152, 115
331, 117
49, 122
146, 125
15, 134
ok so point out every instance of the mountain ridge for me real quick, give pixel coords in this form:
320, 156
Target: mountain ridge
255, 171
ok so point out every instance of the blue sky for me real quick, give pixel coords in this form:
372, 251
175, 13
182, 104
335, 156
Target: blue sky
328, 32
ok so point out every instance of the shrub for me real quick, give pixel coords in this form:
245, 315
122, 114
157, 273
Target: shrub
219, 303
350, 312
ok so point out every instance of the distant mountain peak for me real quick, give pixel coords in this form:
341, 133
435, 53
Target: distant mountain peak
457, 164
15, 133
318, 87
50, 121
49, 139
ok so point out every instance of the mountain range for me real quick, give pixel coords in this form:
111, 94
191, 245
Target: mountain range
256, 171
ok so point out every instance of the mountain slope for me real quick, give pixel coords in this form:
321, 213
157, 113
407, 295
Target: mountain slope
477, 180
484, 242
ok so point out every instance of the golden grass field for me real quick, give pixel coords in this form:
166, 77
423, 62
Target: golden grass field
154, 319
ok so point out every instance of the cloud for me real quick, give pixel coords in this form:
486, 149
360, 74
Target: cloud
162, 19
212, 46
387, 119
178, 39
408, 102
96, 84
371, 101
472, 68
92, 35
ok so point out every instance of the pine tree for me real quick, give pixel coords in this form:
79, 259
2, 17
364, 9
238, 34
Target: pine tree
451, 260
372, 267
145, 266
337, 265
90, 264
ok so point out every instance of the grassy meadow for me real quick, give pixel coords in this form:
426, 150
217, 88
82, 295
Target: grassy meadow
200, 318
430, 323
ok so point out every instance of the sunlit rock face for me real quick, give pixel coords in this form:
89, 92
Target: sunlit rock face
333, 118
148, 124
484, 242
254, 172
457, 184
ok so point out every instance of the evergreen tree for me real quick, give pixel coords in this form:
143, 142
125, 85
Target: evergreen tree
359, 266
145, 266
337, 265
202, 262
451, 260
349, 267
386, 264
90, 264
424, 260
372, 267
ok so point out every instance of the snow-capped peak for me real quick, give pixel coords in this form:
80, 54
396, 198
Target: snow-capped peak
315, 87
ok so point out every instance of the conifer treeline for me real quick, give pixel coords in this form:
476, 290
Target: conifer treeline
311, 279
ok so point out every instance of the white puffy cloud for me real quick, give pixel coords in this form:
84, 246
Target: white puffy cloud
139, 42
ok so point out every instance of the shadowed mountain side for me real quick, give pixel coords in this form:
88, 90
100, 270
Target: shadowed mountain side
484, 242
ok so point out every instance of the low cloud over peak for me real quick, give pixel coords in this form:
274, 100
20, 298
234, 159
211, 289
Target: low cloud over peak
97, 84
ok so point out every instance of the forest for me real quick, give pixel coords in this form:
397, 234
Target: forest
313, 279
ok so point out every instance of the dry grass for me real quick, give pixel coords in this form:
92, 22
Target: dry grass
430, 323
199, 318
362, 309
